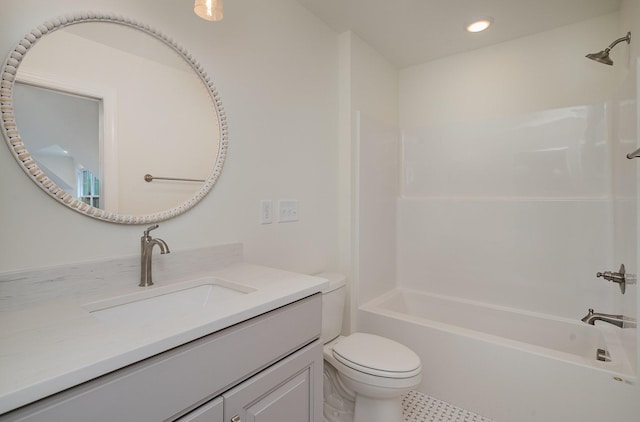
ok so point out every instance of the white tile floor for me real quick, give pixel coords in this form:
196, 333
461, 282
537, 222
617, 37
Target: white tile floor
418, 407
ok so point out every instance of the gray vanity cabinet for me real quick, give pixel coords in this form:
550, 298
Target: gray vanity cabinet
265, 369
283, 392
280, 393
210, 412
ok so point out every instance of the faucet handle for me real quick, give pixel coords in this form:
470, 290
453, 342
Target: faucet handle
614, 277
146, 232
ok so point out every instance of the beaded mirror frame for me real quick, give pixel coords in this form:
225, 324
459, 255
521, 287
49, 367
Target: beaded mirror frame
10, 131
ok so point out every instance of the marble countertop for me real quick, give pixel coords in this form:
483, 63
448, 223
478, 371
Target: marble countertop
49, 341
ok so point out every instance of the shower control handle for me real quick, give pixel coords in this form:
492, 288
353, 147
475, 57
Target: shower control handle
614, 277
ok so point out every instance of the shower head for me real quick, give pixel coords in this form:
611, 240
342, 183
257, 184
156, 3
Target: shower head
603, 56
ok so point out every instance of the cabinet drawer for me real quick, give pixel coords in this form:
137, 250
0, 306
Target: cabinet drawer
170, 384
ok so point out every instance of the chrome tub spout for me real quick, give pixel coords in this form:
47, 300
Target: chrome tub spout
617, 320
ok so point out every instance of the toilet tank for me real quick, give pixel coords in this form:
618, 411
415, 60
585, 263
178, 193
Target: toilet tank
333, 298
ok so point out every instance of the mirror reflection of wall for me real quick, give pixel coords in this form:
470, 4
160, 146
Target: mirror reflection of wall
64, 137
164, 121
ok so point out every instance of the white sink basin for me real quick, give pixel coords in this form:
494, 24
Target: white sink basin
164, 302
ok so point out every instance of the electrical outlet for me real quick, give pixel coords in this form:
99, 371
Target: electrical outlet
287, 211
266, 211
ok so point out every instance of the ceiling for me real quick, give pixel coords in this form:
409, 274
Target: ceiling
410, 32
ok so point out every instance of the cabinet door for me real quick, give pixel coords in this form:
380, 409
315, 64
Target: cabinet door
290, 391
209, 412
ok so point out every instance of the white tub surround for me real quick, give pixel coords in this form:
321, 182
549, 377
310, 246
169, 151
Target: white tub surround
505, 363
555, 337
49, 340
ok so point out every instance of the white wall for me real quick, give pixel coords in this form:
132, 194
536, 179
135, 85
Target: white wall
276, 68
538, 72
374, 93
368, 168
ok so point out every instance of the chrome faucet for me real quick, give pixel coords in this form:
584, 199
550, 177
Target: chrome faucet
146, 245
618, 320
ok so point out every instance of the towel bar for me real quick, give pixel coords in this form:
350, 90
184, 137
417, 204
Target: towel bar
149, 178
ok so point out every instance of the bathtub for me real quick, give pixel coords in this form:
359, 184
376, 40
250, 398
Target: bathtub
507, 364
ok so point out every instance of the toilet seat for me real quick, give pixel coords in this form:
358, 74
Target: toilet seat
377, 356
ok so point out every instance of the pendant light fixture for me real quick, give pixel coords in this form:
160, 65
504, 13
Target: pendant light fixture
211, 10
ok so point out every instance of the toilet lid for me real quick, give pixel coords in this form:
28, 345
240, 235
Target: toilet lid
377, 355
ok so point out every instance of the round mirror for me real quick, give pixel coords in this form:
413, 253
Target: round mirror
112, 119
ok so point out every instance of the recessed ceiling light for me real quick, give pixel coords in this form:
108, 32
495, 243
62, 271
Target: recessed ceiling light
480, 24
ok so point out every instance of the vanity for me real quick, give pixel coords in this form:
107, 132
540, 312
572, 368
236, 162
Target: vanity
213, 338
246, 348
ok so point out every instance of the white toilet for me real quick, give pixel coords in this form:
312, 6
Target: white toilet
365, 375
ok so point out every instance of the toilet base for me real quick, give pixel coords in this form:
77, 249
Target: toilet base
368, 404
338, 403
378, 409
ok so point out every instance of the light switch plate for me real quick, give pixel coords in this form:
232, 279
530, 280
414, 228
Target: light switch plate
266, 211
